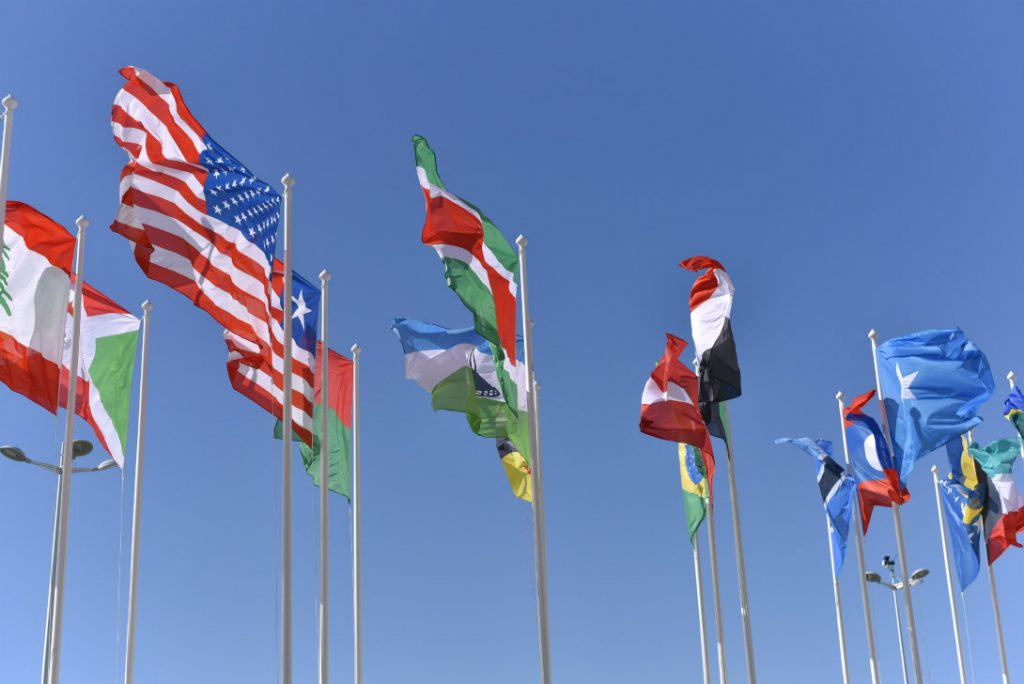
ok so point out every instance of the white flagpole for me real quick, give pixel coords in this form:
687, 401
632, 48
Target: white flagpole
741, 564
704, 657
865, 599
286, 433
949, 579
133, 574
9, 105
723, 677
48, 638
839, 603
66, 456
536, 475
357, 589
897, 524
325, 454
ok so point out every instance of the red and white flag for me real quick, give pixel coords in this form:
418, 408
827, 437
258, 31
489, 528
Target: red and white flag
710, 318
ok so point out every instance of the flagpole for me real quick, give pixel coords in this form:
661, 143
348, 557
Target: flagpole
897, 523
723, 677
9, 104
949, 579
741, 566
865, 599
286, 456
704, 658
66, 456
357, 589
839, 603
133, 573
48, 638
536, 476
324, 473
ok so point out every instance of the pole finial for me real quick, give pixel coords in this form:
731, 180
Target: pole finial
287, 181
324, 276
521, 241
872, 335
82, 222
356, 349
147, 306
935, 469
1012, 377
9, 103
839, 396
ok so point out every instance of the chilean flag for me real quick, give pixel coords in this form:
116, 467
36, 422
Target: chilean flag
668, 408
710, 309
876, 471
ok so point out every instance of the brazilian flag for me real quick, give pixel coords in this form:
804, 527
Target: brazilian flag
693, 473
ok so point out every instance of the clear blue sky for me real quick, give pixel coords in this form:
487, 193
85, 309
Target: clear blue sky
852, 165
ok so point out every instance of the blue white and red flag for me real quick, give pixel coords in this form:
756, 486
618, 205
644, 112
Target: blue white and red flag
876, 471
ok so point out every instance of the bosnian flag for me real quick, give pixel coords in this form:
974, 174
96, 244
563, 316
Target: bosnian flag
668, 408
876, 471
710, 309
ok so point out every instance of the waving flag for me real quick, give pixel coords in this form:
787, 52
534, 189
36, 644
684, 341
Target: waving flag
934, 382
696, 486
479, 263
837, 493
1004, 506
710, 311
964, 493
201, 223
876, 471
1013, 409
668, 407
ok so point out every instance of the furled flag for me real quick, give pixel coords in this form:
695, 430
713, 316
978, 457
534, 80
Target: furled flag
1004, 506
35, 343
668, 406
710, 311
837, 493
963, 493
459, 369
695, 487
1013, 409
876, 471
479, 263
934, 382
199, 221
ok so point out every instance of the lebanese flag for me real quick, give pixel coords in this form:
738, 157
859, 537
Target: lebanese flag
668, 408
710, 309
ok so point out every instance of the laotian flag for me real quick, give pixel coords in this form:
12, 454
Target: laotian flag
875, 469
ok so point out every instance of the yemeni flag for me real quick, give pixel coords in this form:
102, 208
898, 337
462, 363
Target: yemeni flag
479, 263
1004, 506
710, 310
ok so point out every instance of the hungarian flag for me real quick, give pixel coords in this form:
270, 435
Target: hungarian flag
668, 407
875, 469
710, 310
1004, 506
479, 263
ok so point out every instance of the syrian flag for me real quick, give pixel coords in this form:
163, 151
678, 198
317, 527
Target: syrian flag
875, 469
710, 311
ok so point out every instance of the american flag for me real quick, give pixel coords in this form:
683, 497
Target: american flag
203, 224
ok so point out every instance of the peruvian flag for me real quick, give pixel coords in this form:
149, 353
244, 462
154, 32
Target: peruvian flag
710, 309
668, 408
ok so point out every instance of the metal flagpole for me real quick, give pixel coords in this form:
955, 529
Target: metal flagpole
704, 658
325, 455
66, 457
839, 603
48, 638
9, 105
949, 579
900, 547
286, 456
357, 604
741, 565
723, 676
865, 599
133, 574
536, 476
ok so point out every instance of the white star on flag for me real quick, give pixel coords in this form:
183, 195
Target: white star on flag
301, 310
905, 382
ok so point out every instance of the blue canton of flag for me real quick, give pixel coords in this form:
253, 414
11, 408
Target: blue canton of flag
240, 199
934, 382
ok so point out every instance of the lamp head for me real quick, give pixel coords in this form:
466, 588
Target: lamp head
106, 465
918, 575
80, 447
13, 453
872, 577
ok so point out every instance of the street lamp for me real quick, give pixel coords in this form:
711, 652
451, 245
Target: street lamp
916, 578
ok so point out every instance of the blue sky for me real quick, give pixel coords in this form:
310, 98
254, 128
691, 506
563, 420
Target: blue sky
852, 165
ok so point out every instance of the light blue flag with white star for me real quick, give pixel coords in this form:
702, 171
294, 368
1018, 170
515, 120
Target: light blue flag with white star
934, 382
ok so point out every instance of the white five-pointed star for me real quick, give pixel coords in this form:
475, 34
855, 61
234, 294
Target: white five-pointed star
905, 382
301, 309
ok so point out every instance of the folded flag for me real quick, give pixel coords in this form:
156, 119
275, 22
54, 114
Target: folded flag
934, 382
696, 488
479, 263
1013, 409
876, 470
1004, 506
837, 493
710, 311
964, 492
517, 468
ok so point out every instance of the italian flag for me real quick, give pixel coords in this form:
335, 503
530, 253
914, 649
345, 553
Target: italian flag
479, 263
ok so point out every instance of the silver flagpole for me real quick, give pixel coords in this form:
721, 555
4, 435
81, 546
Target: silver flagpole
741, 565
9, 105
704, 658
723, 677
536, 475
357, 589
908, 604
286, 433
133, 573
865, 599
325, 455
949, 579
839, 602
66, 456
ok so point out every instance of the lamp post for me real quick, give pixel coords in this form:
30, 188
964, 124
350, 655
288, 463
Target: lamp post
916, 577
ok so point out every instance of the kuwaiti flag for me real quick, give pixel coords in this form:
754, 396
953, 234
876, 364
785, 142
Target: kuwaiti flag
479, 263
710, 311
1004, 506
875, 469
